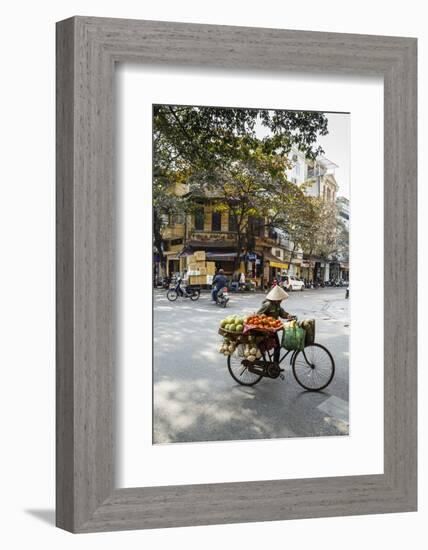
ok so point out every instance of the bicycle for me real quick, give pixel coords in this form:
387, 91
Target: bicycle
313, 366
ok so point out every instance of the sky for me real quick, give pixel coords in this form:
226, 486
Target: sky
337, 148
336, 145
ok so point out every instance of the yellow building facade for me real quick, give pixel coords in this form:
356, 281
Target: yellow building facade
213, 231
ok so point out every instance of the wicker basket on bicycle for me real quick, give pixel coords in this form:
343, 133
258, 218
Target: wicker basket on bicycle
264, 329
233, 335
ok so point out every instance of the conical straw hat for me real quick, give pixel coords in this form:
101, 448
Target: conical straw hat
277, 293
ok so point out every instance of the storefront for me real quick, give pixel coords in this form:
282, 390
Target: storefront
254, 268
172, 263
344, 271
223, 260
277, 268
222, 253
334, 271
295, 268
307, 270
319, 271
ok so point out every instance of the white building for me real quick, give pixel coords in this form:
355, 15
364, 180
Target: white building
319, 179
343, 210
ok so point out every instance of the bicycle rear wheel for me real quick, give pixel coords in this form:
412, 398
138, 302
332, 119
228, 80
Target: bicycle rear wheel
313, 367
240, 372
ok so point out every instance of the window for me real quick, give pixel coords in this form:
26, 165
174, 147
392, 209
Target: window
272, 233
233, 226
178, 219
297, 169
199, 218
216, 221
256, 226
277, 252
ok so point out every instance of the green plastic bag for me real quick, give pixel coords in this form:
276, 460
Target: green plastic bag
293, 336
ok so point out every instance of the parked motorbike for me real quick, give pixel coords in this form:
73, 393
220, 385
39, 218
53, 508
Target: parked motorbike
188, 292
166, 283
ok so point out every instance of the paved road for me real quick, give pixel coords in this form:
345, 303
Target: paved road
196, 399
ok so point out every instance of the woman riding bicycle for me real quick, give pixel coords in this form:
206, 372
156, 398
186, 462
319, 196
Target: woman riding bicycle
271, 306
313, 365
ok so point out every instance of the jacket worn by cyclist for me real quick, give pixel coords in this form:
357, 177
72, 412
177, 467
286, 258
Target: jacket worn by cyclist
220, 281
272, 309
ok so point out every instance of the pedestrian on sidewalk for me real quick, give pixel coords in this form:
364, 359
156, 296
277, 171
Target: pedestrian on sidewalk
242, 281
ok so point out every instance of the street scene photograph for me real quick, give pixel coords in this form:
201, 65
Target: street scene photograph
251, 323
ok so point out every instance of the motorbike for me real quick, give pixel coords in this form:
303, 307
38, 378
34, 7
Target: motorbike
166, 283
191, 292
222, 297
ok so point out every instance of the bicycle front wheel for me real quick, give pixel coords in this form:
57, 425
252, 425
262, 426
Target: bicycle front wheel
313, 367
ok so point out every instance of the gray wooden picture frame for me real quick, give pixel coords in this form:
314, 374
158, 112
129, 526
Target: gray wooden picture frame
87, 50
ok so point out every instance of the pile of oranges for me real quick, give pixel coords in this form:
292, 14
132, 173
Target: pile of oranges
263, 322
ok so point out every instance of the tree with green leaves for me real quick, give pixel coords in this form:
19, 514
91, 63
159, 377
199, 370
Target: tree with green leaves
247, 188
236, 156
321, 235
342, 240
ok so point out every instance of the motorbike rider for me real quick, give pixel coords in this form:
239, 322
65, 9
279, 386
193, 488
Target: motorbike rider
178, 288
219, 282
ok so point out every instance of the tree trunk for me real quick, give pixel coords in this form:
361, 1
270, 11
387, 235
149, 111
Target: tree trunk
158, 242
292, 254
310, 264
237, 260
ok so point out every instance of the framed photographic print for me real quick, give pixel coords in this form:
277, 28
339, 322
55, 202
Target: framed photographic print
217, 190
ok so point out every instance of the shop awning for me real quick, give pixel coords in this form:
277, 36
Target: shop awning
172, 255
274, 261
216, 247
278, 264
221, 256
